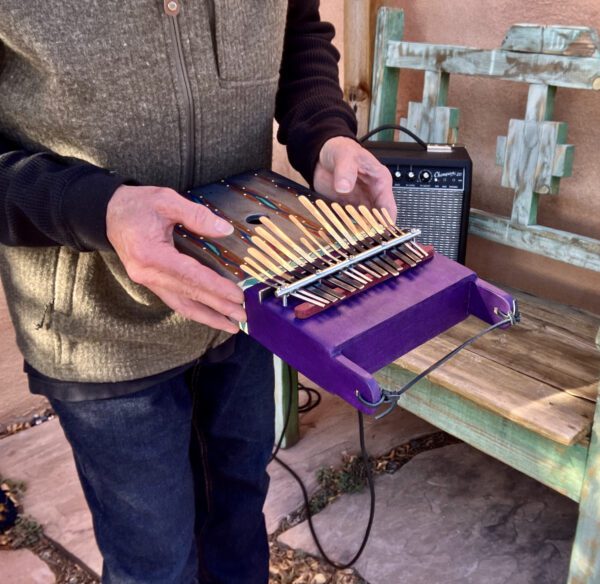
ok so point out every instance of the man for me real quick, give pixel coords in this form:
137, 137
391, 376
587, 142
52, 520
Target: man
107, 109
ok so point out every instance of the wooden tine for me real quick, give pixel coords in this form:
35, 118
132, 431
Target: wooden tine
312, 238
319, 217
266, 262
343, 215
284, 237
265, 247
369, 231
268, 236
336, 222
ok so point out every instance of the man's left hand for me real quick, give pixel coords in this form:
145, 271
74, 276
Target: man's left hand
348, 173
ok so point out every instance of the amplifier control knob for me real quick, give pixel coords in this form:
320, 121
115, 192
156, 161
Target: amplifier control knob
411, 175
425, 176
398, 174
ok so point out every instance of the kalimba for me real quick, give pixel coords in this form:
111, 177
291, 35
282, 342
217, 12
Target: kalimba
336, 291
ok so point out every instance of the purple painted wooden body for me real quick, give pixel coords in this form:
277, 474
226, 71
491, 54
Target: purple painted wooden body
342, 347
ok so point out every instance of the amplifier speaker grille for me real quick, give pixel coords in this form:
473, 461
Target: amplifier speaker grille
437, 213
432, 192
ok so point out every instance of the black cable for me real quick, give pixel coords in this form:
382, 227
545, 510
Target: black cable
393, 127
370, 481
391, 397
312, 401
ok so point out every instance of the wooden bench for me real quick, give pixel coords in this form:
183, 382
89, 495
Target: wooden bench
526, 396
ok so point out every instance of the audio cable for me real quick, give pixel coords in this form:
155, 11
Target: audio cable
368, 472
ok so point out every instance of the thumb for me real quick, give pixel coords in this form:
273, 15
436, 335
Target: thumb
199, 219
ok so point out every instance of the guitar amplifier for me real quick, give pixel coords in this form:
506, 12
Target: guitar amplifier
432, 189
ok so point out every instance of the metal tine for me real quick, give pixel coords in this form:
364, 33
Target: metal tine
384, 217
345, 234
261, 275
265, 261
351, 275
264, 246
374, 234
351, 272
335, 280
364, 211
267, 280
307, 267
395, 231
322, 296
308, 245
372, 267
381, 270
300, 263
344, 285
388, 218
329, 292
310, 236
419, 254
380, 230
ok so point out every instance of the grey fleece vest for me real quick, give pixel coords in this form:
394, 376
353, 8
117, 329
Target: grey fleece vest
101, 80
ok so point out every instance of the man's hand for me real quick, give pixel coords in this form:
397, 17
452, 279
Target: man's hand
139, 225
348, 173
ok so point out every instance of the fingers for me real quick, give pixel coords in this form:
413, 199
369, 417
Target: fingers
197, 218
379, 189
346, 168
196, 311
179, 274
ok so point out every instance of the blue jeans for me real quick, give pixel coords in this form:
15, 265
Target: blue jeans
175, 475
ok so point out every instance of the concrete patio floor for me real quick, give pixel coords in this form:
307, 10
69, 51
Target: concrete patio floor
450, 515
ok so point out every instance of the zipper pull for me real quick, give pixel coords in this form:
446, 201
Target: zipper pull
172, 7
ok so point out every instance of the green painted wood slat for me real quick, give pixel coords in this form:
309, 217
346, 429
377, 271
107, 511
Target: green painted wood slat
557, 70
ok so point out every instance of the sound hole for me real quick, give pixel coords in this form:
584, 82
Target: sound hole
255, 218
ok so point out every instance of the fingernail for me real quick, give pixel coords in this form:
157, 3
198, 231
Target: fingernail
223, 227
343, 186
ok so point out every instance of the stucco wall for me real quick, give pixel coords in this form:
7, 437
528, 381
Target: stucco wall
486, 106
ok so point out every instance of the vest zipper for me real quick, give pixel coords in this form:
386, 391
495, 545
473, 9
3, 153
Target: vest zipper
172, 9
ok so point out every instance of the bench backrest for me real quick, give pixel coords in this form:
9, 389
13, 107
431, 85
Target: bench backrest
534, 155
